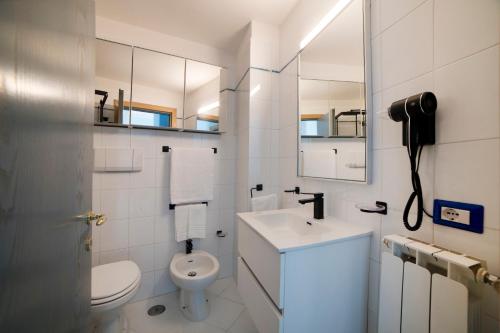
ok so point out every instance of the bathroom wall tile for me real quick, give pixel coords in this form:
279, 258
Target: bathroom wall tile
392, 223
114, 180
114, 234
164, 228
288, 141
144, 139
115, 137
141, 231
143, 256
146, 289
114, 203
261, 114
96, 239
484, 246
373, 286
146, 177
396, 168
162, 201
209, 244
377, 67
463, 27
375, 17
96, 201
394, 10
142, 202
260, 86
469, 172
467, 92
106, 257
489, 324
260, 142
164, 253
226, 266
163, 282
407, 48
369, 221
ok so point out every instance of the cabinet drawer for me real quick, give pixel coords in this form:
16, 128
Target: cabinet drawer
266, 317
265, 262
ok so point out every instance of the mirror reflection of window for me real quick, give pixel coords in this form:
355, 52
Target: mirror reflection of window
113, 71
202, 107
157, 90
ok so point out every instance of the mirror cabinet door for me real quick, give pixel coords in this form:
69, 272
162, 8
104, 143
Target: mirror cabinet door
157, 90
202, 101
332, 100
113, 71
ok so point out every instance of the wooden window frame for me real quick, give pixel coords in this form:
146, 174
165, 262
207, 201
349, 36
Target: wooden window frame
148, 107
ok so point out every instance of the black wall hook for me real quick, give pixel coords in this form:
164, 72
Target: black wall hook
167, 149
258, 188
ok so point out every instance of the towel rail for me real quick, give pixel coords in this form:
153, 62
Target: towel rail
167, 149
172, 206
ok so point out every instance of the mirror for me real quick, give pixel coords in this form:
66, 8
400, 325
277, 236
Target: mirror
332, 101
113, 70
157, 90
202, 106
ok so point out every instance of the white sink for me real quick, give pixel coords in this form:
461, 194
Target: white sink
292, 229
293, 224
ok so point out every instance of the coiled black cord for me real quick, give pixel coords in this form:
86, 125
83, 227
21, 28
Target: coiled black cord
417, 191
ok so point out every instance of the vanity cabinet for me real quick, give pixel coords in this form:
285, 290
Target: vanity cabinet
316, 288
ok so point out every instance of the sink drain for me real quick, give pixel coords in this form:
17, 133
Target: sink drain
192, 273
156, 310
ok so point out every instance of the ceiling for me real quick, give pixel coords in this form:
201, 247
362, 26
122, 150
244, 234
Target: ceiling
218, 23
341, 42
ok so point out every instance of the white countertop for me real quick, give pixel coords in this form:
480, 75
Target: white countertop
287, 230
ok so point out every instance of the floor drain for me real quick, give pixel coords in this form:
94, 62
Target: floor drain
156, 310
192, 274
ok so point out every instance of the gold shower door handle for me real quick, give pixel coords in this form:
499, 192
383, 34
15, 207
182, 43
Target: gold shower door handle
91, 216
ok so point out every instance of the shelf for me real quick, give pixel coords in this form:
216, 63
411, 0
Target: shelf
168, 129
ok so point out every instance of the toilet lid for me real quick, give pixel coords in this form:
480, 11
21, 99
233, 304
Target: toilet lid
112, 279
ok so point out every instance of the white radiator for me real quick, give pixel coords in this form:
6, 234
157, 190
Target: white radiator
426, 289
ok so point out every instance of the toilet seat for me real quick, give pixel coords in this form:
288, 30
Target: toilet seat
113, 281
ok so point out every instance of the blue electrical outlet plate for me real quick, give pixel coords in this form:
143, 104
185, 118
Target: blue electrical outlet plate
459, 215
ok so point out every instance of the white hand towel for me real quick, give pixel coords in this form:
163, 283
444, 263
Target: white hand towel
192, 174
181, 222
197, 225
319, 163
265, 202
190, 221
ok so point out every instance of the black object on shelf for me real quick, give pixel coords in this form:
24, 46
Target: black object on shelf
172, 206
166, 149
380, 208
102, 102
258, 188
296, 190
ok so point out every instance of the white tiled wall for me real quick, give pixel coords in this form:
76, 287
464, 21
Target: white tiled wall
450, 47
140, 226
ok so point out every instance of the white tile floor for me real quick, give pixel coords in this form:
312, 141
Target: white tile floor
227, 313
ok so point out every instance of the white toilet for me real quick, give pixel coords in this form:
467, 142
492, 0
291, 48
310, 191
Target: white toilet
113, 285
193, 273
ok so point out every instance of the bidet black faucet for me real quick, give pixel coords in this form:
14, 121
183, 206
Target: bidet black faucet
189, 246
318, 204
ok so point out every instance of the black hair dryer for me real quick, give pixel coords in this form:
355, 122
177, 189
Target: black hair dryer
418, 114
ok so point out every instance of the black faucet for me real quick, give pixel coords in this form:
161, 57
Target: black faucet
189, 246
318, 204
